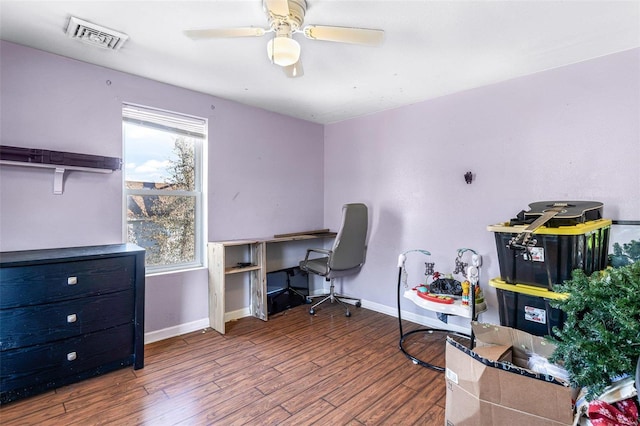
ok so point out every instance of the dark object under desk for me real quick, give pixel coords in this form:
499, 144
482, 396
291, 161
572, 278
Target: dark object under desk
69, 314
286, 288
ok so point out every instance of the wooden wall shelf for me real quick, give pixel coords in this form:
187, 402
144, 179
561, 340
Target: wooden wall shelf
59, 161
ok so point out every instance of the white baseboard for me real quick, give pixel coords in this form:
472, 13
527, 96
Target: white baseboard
201, 324
234, 315
154, 336
177, 330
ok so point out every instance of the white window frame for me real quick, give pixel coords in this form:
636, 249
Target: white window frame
187, 125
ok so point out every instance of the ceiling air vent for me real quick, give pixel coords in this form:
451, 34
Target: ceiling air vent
95, 35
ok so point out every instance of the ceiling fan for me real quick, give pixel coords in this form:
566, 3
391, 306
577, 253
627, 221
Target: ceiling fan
285, 19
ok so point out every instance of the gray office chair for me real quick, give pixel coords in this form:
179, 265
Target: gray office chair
346, 257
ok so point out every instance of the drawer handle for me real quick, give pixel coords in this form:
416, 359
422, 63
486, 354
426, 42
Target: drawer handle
71, 356
72, 318
72, 280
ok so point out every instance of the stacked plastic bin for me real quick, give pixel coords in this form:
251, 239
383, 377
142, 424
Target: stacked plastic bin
529, 274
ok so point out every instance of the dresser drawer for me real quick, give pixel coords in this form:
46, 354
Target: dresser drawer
50, 365
45, 283
33, 325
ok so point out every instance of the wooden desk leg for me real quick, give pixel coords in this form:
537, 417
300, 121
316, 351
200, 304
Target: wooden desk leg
216, 286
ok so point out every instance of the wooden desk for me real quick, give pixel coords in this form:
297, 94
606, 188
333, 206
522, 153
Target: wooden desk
247, 256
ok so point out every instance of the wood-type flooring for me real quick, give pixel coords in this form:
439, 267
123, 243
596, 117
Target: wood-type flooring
295, 369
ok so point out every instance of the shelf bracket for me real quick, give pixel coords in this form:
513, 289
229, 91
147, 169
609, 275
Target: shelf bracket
58, 171
58, 180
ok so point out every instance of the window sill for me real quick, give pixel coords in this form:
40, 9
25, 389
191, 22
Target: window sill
175, 271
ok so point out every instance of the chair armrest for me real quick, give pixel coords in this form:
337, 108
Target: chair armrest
317, 250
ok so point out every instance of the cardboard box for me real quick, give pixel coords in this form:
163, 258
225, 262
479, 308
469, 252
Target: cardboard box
488, 392
495, 352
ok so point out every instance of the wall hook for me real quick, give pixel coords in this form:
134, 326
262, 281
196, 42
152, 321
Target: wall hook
468, 177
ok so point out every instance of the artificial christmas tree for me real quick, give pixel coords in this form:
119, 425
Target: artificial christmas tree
600, 338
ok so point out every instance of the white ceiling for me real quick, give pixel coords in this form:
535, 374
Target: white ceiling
431, 48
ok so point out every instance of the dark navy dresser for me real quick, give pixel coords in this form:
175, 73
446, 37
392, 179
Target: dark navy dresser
69, 314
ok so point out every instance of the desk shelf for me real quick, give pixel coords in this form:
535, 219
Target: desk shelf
240, 270
222, 258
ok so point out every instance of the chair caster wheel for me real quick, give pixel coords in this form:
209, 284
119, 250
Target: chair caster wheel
307, 301
358, 304
347, 314
312, 311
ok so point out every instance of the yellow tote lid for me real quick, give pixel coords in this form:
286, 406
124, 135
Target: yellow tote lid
578, 229
527, 289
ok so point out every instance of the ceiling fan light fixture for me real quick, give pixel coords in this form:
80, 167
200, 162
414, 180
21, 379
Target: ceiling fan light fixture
283, 51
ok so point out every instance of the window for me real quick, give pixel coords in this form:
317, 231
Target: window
163, 186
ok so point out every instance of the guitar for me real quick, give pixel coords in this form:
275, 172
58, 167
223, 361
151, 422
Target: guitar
571, 213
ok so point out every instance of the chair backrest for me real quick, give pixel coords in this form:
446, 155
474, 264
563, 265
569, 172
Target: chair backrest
350, 246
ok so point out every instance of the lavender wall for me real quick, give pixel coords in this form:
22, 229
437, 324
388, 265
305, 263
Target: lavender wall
260, 181
569, 133
565, 134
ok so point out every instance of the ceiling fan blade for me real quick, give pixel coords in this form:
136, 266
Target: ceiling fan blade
224, 33
344, 34
277, 7
294, 70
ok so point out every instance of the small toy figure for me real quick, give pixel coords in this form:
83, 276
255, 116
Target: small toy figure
429, 268
465, 293
461, 267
